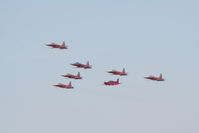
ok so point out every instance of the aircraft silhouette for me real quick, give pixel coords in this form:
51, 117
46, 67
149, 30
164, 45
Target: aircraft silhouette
59, 46
73, 76
112, 82
121, 73
69, 86
155, 78
79, 65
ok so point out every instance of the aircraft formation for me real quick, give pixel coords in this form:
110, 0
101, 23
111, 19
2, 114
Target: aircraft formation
88, 66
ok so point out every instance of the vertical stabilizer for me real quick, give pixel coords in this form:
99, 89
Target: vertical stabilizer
78, 74
63, 43
70, 84
87, 63
161, 75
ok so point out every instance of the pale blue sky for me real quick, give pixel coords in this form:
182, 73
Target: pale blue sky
145, 37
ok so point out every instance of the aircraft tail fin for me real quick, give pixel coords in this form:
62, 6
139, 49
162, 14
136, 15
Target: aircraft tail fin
161, 75
64, 44
123, 70
78, 74
87, 63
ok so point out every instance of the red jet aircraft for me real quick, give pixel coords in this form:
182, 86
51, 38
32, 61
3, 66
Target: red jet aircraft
79, 65
155, 78
73, 76
112, 82
122, 73
69, 86
55, 45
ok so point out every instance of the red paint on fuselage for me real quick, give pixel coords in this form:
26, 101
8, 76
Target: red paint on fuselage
69, 86
79, 65
112, 82
121, 73
73, 76
155, 78
55, 45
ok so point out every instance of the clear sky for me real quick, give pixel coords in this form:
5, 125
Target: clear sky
145, 37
